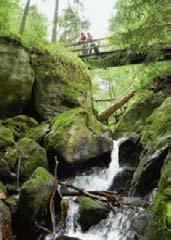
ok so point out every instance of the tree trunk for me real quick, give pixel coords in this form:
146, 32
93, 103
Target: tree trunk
103, 116
55, 21
24, 17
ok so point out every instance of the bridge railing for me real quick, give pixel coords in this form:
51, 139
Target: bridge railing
90, 48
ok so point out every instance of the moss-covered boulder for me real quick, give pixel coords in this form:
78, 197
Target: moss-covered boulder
20, 124
155, 138
77, 136
91, 212
16, 79
62, 83
135, 117
5, 222
159, 223
30, 154
35, 195
38, 133
6, 137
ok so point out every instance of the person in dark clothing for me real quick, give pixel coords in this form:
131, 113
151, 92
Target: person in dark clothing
92, 45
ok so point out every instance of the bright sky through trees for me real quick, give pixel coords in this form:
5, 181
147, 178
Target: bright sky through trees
97, 11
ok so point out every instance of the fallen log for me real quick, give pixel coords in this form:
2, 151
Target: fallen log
103, 116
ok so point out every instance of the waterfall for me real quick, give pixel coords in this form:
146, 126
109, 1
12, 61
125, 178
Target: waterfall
114, 227
100, 179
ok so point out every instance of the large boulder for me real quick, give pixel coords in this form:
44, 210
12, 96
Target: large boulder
91, 212
16, 78
5, 222
156, 139
38, 133
62, 83
30, 154
20, 124
35, 194
77, 136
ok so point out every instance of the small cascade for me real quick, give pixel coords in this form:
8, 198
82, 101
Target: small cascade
100, 179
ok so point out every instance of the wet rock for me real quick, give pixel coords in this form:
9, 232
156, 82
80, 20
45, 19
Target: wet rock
5, 222
30, 154
91, 212
16, 79
77, 137
139, 222
129, 152
12, 203
6, 137
122, 180
20, 124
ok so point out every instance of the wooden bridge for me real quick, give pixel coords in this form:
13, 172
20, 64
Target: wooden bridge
100, 53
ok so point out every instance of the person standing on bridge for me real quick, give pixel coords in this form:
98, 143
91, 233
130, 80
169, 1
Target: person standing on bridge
92, 45
83, 41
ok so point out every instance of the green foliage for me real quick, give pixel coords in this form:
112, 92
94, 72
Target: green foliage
140, 24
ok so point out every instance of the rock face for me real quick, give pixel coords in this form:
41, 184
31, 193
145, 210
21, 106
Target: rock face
129, 152
16, 79
91, 212
61, 84
30, 154
77, 136
154, 136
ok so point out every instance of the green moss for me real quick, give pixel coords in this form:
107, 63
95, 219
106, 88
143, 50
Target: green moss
135, 117
31, 155
35, 194
37, 134
160, 215
20, 124
6, 137
155, 132
88, 203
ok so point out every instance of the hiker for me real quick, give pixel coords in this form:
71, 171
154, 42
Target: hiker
92, 45
83, 41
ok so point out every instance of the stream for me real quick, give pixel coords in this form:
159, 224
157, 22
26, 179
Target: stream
115, 226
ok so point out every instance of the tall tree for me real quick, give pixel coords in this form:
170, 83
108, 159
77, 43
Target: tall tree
72, 22
55, 21
24, 17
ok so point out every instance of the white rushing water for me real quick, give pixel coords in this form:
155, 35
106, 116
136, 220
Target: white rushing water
100, 179
115, 227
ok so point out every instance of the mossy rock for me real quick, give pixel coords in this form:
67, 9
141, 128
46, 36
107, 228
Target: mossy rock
20, 124
35, 194
61, 84
38, 133
159, 223
77, 136
156, 140
30, 154
91, 212
5, 222
6, 137
135, 117
16, 79
3, 188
